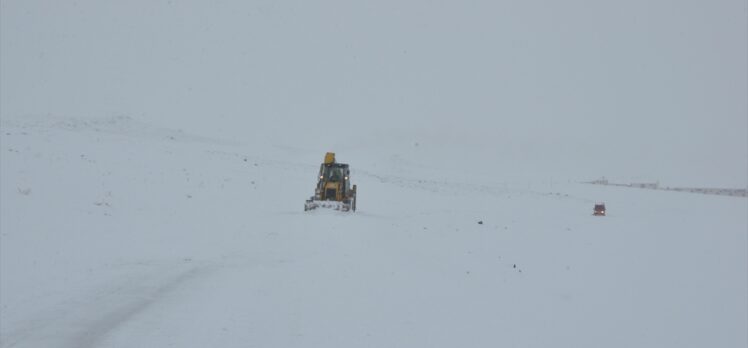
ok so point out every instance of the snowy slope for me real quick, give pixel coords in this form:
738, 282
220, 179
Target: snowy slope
117, 233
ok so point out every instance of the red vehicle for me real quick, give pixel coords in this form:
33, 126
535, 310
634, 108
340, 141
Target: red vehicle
599, 209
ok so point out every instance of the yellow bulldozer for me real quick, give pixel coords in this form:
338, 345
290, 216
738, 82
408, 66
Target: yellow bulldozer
334, 188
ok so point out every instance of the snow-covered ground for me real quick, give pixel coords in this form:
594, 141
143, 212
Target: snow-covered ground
119, 233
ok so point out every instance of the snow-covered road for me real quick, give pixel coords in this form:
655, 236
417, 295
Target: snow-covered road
119, 234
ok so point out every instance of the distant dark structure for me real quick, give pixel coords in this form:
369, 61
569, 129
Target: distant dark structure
651, 186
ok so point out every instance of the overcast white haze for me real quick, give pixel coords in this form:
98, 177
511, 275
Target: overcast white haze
649, 89
155, 156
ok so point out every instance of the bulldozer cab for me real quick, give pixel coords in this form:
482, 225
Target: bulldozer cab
334, 174
333, 181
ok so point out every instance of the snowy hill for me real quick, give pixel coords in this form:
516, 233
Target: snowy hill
120, 233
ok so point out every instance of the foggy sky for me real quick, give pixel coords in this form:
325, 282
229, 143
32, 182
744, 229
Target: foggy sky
641, 88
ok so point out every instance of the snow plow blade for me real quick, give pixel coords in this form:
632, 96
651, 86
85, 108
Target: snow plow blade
335, 205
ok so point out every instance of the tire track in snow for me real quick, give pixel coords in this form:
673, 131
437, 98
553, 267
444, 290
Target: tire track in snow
90, 323
110, 321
